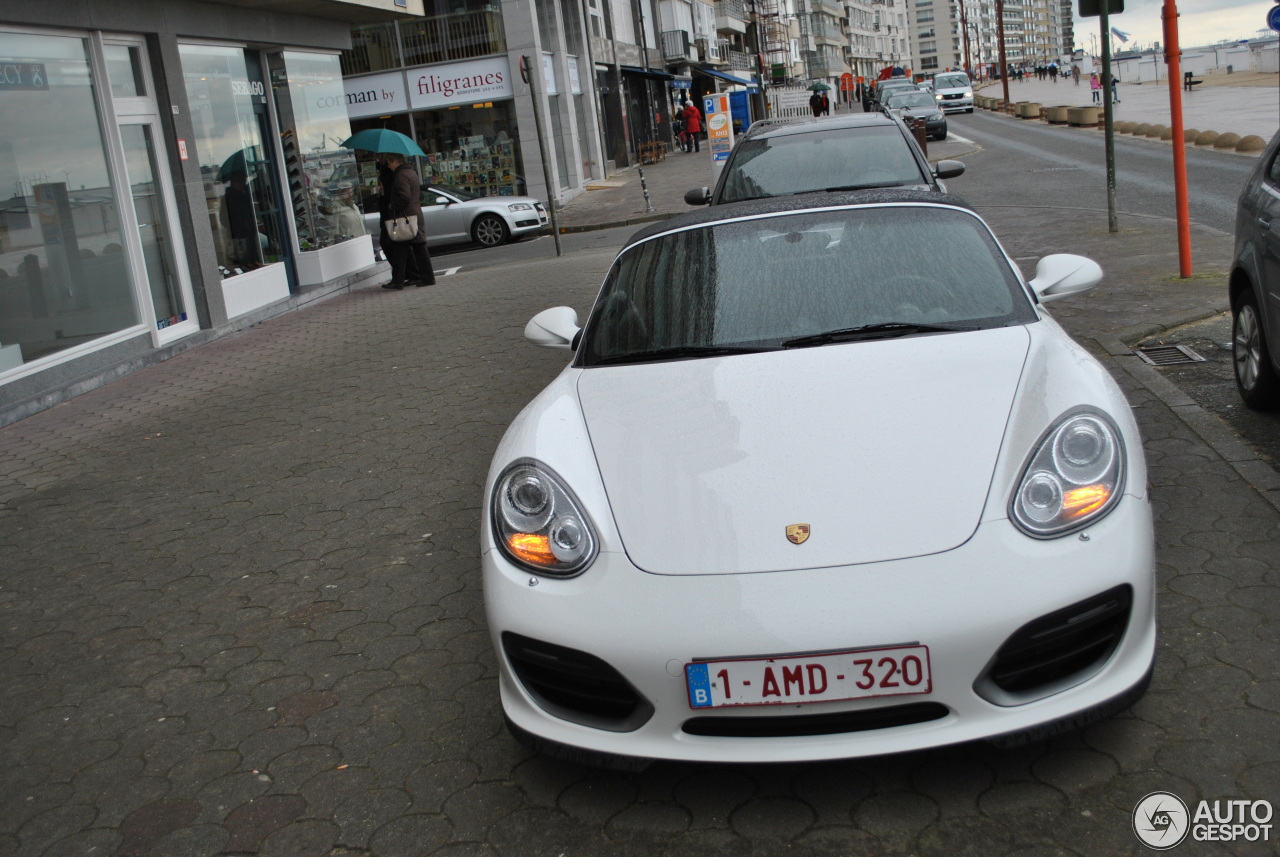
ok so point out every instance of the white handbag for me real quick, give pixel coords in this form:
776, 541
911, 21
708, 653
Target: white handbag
403, 228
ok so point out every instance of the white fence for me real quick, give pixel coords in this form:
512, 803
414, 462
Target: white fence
786, 102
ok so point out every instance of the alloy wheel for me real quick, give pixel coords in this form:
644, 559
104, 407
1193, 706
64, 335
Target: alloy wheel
1247, 347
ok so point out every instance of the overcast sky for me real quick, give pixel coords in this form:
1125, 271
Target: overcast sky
1200, 22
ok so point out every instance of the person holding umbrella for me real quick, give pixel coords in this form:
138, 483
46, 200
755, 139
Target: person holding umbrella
404, 199
399, 195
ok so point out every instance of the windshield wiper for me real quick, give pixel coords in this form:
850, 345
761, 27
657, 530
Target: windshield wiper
867, 186
887, 330
680, 352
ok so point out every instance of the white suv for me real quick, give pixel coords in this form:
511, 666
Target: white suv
953, 91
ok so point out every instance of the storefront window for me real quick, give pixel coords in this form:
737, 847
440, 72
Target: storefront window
473, 148
228, 109
322, 178
64, 280
124, 70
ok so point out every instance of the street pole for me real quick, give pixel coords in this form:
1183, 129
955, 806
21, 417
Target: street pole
1004, 61
531, 74
1113, 223
1173, 57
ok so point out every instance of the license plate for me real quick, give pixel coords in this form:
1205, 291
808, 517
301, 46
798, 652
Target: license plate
798, 679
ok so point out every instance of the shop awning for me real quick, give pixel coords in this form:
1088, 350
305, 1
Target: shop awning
647, 72
728, 77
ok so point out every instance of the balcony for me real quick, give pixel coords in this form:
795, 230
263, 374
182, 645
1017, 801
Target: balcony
452, 37
731, 16
738, 61
714, 53
675, 46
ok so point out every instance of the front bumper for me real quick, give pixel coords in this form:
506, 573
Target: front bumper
963, 604
953, 105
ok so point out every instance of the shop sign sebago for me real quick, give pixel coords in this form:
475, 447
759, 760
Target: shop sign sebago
429, 86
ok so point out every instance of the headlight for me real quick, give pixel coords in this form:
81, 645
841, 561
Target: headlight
520, 206
538, 523
1074, 477
938, 95
968, 94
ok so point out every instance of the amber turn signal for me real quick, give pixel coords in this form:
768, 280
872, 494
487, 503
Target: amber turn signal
531, 548
1082, 501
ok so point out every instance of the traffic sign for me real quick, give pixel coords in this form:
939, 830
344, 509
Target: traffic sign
1273, 18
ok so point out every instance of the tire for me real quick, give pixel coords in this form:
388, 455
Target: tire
490, 230
940, 137
970, 110
1255, 374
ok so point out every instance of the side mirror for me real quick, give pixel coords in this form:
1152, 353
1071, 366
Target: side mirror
948, 169
1064, 274
698, 196
554, 328
443, 200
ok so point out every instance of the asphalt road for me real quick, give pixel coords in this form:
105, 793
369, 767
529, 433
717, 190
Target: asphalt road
1046, 165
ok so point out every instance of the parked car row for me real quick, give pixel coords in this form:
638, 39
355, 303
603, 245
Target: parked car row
759, 575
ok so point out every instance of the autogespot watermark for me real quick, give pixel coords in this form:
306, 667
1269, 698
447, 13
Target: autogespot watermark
1161, 820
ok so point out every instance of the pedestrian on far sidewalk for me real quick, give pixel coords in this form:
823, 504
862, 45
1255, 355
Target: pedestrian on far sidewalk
1096, 86
1115, 94
692, 119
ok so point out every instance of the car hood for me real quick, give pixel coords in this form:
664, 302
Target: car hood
882, 449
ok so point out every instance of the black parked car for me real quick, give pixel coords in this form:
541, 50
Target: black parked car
1254, 287
851, 151
918, 104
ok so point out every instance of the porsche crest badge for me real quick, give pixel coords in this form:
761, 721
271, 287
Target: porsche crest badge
797, 533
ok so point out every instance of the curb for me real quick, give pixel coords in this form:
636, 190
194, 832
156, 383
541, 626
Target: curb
614, 224
1219, 437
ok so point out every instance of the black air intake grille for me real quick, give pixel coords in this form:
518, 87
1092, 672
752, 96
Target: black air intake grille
574, 685
833, 723
1062, 643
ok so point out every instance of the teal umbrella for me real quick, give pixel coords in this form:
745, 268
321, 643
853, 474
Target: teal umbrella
383, 140
819, 86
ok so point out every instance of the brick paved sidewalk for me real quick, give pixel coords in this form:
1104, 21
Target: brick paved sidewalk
241, 613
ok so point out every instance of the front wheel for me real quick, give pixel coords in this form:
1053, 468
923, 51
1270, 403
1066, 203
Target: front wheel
489, 230
1255, 375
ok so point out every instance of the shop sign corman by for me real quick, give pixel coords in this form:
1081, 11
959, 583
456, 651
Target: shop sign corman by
431, 86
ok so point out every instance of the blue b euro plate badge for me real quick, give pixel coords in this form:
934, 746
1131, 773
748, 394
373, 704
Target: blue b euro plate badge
698, 680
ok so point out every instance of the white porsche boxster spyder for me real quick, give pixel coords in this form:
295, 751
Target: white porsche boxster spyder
801, 496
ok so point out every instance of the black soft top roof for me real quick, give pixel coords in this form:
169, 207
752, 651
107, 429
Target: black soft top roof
797, 202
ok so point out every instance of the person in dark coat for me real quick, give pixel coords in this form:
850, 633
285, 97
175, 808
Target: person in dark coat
404, 199
815, 104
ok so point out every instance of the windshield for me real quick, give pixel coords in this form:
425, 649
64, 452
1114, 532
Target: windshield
912, 99
765, 283
951, 81
818, 160
458, 192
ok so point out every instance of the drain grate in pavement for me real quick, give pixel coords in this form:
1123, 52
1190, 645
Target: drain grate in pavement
1168, 355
